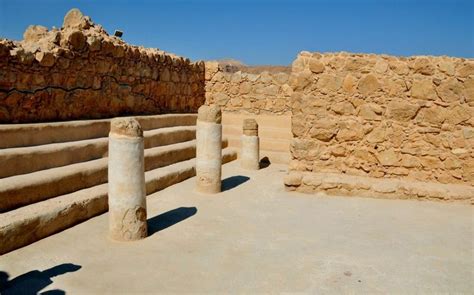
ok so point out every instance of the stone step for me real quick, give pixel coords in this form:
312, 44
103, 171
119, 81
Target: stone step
24, 160
21, 135
266, 144
263, 132
280, 121
31, 223
25, 189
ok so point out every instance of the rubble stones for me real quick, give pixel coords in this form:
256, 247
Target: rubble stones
34, 33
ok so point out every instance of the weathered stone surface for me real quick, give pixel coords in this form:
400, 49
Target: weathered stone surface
394, 117
265, 92
34, 33
368, 84
370, 111
349, 83
423, 66
81, 72
381, 66
76, 40
423, 89
378, 134
45, 58
324, 130
250, 127
126, 127
316, 66
328, 83
450, 90
446, 67
73, 19
293, 179
433, 115
466, 69
210, 113
401, 110
388, 158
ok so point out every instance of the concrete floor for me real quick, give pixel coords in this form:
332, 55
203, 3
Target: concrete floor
257, 238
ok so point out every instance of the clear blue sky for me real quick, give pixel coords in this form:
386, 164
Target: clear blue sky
266, 32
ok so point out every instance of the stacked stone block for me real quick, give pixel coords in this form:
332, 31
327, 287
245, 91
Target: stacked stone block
80, 72
265, 93
383, 117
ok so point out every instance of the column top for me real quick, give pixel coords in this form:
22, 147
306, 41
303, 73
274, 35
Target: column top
126, 127
250, 127
210, 113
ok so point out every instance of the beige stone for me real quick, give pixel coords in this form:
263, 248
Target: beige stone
433, 115
447, 67
381, 66
73, 19
323, 130
316, 66
210, 114
250, 127
328, 83
34, 33
401, 110
350, 131
370, 111
221, 99
423, 66
388, 157
378, 134
250, 152
126, 181
423, 89
368, 84
450, 90
343, 108
349, 83
469, 91
208, 150
293, 179
399, 67
409, 161
466, 69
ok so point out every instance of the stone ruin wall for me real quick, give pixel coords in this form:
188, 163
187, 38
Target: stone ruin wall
266, 93
80, 72
382, 117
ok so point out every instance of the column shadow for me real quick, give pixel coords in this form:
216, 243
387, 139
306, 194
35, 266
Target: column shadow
264, 162
170, 218
233, 181
34, 281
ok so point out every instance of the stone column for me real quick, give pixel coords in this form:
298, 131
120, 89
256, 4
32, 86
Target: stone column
127, 194
250, 153
208, 149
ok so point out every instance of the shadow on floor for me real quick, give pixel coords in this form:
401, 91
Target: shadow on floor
264, 162
167, 219
233, 181
34, 281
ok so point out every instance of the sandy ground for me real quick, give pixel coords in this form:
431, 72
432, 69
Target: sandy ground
256, 238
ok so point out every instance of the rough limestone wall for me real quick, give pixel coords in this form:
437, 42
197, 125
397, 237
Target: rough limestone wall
383, 116
80, 72
238, 92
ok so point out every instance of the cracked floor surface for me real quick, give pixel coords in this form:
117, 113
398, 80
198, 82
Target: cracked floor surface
256, 238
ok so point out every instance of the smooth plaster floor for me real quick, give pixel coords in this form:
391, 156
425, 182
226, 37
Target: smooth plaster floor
257, 238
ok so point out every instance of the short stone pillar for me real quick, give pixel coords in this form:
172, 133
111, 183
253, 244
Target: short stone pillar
127, 194
209, 149
250, 153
